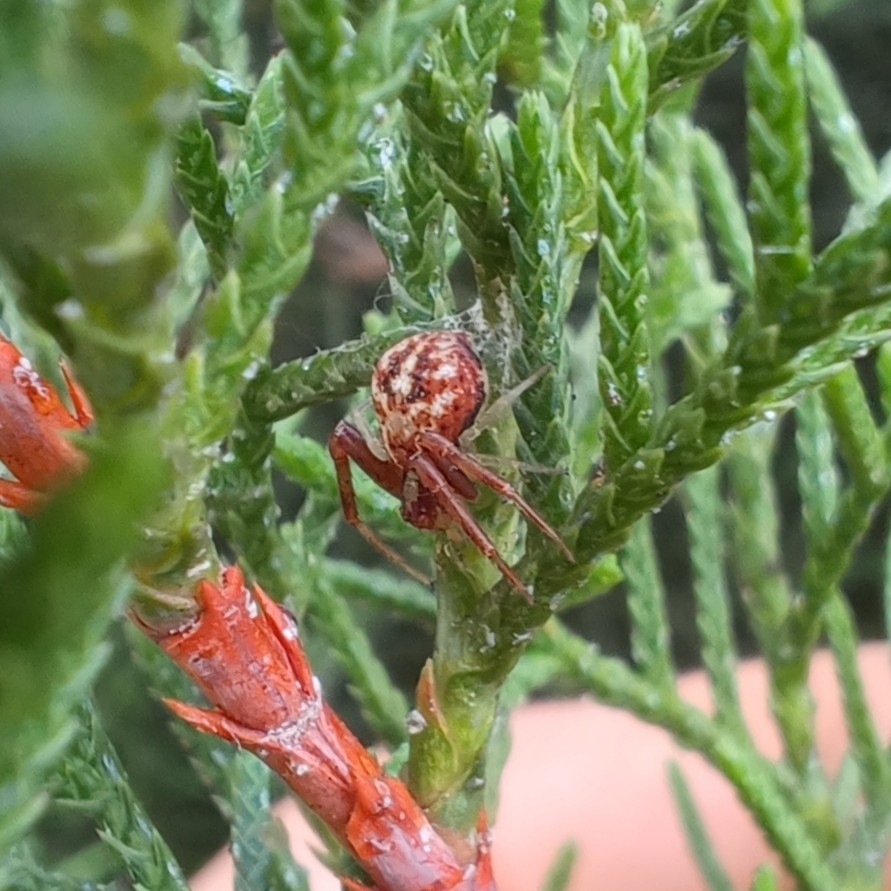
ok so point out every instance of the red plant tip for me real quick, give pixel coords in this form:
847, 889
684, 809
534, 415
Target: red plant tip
34, 422
243, 650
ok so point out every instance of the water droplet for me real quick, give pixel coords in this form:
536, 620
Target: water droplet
251, 371
454, 112
386, 152
490, 641
70, 309
111, 768
415, 722
325, 208
117, 22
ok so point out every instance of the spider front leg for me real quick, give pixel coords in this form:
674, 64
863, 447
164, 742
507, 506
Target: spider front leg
436, 482
347, 443
445, 453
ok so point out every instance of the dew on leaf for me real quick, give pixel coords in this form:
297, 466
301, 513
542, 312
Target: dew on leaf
415, 722
117, 22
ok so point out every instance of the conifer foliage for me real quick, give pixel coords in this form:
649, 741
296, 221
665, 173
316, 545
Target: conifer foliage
535, 176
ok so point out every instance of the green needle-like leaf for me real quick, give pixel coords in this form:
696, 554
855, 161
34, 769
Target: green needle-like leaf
422, 245
403, 597
725, 211
223, 96
755, 779
708, 547
735, 392
229, 44
261, 860
93, 780
205, 190
866, 745
328, 375
383, 706
684, 293
839, 125
779, 149
697, 836
68, 590
699, 40
560, 873
624, 369
646, 604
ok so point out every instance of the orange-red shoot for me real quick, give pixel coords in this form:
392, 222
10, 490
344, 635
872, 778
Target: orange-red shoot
243, 650
34, 428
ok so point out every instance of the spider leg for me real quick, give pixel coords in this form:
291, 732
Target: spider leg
347, 443
502, 462
441, 449
499, 408
435, 481
458, 480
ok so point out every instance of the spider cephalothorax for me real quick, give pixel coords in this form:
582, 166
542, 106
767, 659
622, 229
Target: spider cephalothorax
427, 390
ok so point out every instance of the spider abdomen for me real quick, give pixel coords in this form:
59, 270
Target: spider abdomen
429, 382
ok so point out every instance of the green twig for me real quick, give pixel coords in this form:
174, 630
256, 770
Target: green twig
93, 780
697, 835
755, 779
650, 644
708, 543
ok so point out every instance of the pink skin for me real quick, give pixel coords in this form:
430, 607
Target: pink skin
34, 422
427, 390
